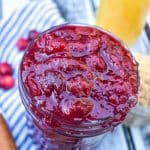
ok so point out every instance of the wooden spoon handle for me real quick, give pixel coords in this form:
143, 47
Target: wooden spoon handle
6, 140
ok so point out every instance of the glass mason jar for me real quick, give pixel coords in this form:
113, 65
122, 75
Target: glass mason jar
54, 132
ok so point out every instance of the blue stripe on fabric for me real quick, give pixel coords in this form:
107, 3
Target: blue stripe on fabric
12, 103
12, 109
6, 102
17, 134
23, 134
29, 145
5, 24
55, 21
0, 108
12, 23
23, 138
20, 117
21, 24
19, 114
22, 144
48, 19
17, 128
10, 100
7, 95
17, 61
42, 19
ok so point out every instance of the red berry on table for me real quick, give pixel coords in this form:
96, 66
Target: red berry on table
6, 82
5, 68
22, 43
32, 34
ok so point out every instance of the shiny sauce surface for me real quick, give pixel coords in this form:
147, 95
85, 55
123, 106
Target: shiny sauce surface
79, 73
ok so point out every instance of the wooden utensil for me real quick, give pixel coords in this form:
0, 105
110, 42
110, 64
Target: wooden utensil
6, 140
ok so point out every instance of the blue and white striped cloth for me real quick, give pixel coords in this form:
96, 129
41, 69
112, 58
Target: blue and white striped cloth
33, 15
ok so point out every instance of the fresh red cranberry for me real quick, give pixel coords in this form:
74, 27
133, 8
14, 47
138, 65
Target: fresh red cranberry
32, 35
5, 68
6, 81
22, 44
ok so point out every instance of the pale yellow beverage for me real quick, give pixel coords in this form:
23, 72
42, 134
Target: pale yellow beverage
125, 18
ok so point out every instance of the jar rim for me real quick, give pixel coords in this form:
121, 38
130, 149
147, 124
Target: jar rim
22, 88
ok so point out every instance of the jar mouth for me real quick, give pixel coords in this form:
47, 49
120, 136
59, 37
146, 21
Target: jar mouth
81, 129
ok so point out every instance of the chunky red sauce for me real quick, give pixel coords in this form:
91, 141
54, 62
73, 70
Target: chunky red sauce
79, 73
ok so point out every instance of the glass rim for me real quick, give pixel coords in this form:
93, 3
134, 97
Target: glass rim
22, 86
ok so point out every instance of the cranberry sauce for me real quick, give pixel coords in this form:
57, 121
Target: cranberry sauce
79, 74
